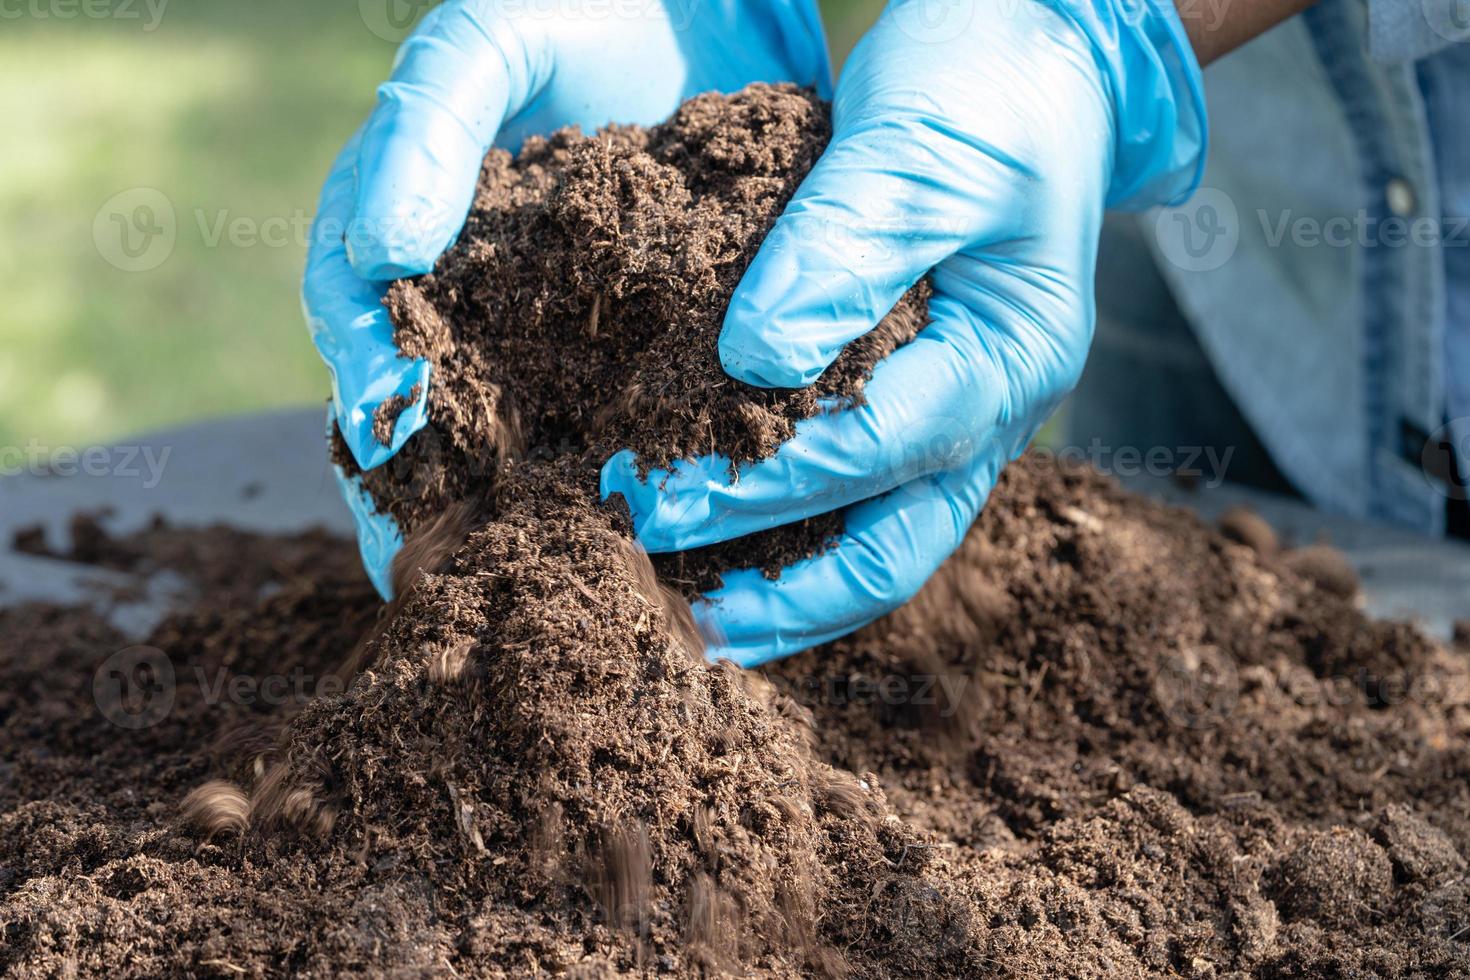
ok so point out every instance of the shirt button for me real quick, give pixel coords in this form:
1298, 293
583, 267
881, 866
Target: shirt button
1401, 199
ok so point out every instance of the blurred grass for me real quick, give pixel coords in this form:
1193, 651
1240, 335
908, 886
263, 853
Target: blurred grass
232, 110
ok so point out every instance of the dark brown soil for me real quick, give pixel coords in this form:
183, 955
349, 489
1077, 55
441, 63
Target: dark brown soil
1104, 740
579, 313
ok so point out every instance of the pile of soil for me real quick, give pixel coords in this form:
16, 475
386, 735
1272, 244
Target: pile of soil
1103, 740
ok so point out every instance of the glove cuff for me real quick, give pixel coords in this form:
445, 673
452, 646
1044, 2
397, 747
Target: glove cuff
1158, 95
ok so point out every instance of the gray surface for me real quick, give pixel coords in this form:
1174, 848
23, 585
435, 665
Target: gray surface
269, 473
265, 472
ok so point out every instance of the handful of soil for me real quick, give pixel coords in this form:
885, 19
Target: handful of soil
579, 312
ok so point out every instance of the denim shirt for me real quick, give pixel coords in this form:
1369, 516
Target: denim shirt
1313, 263
1445, 81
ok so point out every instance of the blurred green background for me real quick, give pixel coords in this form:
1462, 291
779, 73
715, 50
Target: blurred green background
233, 110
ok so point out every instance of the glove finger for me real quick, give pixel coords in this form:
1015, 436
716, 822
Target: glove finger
351, 329
930, 406
891, 547
886, 203
455, 80
378, 536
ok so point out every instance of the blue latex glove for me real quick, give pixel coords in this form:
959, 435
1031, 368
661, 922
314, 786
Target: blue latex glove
979, 142
483, 72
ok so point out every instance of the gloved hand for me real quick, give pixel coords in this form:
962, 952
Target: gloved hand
483, 72
977, 142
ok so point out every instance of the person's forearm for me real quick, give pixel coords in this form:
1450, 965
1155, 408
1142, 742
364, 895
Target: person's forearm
1217, 27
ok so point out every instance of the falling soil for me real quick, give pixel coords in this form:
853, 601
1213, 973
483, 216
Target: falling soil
1104, 740
579, 312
